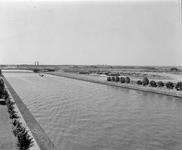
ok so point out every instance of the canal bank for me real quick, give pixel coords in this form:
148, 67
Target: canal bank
132, 86
41, 138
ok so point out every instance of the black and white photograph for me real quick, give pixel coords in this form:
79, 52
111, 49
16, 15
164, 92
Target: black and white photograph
91, 75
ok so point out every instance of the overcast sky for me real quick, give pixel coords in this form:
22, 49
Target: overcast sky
133, 32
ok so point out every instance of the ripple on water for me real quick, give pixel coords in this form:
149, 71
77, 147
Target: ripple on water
79, 115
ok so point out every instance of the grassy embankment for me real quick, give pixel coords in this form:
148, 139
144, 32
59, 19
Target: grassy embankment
92, 73
134, 74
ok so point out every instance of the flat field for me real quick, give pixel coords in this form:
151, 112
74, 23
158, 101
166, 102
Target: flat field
156, 73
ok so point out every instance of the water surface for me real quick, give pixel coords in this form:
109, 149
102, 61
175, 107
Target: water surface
79, 115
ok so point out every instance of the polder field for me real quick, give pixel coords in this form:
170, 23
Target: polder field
163, 73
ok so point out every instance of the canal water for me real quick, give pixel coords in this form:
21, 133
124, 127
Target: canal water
79, 115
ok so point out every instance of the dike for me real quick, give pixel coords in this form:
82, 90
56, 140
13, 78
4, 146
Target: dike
162, 91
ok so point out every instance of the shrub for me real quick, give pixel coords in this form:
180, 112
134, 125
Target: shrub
113, 78
2, 93
160, 84
6, 95
36, 70
127, 79
139, 82
117, 79
16, 122
178, 86
18, 128
174, 69
13, 115
153, 84
9, 103
11, 108
2, 87
145, 81
108, 78
24, 140
169, 85
122, 79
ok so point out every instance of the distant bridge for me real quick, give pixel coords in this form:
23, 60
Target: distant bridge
16, 71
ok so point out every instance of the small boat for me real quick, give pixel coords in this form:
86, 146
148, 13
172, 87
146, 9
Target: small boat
41, 75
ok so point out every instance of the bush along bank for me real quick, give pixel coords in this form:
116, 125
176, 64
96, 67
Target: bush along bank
24, 141
118, 79
1, 87
145, 82
160, 84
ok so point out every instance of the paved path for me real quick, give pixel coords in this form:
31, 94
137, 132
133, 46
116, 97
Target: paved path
7, 139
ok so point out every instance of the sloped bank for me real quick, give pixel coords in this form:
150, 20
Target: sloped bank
129, 86
38, 133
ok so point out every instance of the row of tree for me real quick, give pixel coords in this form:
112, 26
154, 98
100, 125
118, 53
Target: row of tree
1, 87
119, 79
146, 82
24, 141
152, 83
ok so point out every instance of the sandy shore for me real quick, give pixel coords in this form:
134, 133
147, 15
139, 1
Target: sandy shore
7, 139
103, 80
